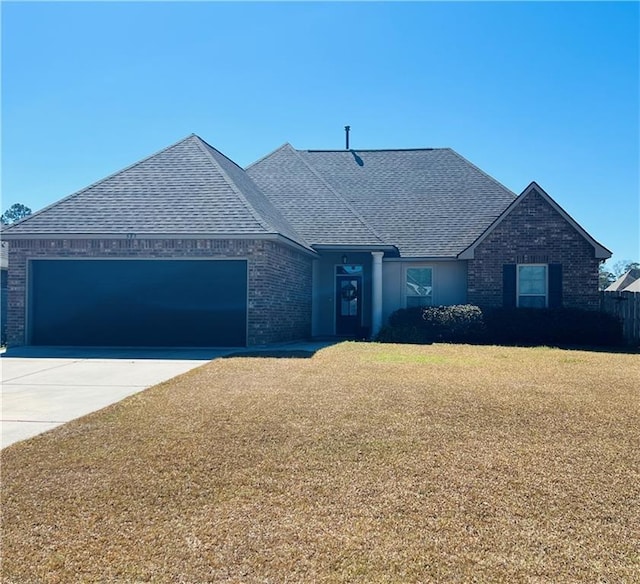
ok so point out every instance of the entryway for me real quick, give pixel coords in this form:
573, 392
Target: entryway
349, 300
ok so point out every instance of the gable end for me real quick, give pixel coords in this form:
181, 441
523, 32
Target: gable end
600, 252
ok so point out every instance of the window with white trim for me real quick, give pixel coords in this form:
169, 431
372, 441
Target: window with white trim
532, 285
419, 287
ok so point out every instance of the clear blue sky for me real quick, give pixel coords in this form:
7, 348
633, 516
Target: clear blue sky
538, 91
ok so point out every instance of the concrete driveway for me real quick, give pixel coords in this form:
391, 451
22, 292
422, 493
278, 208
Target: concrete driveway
43, 387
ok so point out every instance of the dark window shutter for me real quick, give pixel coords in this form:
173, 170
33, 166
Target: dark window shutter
509, 285
555, 285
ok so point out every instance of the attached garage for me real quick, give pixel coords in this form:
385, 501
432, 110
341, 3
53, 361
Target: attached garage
137, 302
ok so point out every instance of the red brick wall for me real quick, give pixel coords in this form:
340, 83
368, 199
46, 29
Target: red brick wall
279, 277
535, 232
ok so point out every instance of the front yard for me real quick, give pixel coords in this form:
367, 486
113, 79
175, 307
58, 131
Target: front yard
364, 463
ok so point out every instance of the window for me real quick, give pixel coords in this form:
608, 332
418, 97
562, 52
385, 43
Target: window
349, 270
532, 285
419, 288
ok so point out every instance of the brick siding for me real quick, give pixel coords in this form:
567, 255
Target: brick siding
534, 232
279, 277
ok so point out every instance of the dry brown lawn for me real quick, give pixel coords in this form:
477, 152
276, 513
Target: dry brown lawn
365, 463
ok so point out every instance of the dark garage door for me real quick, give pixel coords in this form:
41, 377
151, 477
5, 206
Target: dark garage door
162, 303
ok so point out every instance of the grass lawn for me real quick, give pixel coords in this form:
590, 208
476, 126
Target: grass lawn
365, 463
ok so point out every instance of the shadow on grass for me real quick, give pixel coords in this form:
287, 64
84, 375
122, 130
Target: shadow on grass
272, 354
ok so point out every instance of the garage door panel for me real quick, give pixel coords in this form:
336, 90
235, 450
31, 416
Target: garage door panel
138, 302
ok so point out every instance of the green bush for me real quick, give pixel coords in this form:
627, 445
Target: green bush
502, 326
462, 323
552, 326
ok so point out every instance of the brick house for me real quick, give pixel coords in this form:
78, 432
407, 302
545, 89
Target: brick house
186, 248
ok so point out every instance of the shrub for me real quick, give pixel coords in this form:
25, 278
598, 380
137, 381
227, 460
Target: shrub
502, 326
459, 323
552, 326
405, 326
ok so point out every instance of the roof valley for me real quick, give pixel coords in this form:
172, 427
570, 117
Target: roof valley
357, 215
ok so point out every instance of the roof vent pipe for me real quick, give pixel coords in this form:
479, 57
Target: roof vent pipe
346, 131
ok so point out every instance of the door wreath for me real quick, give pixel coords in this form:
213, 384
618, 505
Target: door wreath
349, 292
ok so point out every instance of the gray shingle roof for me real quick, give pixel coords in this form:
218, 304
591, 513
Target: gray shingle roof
309, 202
427, 202
187, 188
629, 281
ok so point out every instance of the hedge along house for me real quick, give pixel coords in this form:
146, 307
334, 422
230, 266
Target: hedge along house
185, 248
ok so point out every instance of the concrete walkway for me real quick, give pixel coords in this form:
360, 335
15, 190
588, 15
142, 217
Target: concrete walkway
44, 387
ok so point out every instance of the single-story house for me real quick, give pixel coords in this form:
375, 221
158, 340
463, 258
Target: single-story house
186, 248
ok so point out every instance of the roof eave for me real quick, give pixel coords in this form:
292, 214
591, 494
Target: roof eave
355, 248
425, 259
21, 236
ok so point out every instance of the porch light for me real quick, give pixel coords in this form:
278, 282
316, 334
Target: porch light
345, 259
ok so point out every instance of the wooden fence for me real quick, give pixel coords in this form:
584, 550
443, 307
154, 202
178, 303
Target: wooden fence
626, 306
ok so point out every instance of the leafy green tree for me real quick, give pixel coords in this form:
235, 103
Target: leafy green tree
14, 213
606, 277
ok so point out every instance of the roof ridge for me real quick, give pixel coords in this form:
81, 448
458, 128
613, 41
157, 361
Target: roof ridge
219, 152
270, 153
377, 149
96, 183
261, 220
340, 197
495, 181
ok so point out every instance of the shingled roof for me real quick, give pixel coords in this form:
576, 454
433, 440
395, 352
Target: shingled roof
189, 188
628, 282
422, 202
426, 202
307, 200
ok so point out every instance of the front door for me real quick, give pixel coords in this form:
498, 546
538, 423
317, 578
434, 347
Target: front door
348, 305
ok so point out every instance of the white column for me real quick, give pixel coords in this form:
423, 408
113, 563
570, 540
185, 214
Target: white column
315, 297
376, 293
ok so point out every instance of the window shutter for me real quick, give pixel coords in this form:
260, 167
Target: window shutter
555, 285
509, 285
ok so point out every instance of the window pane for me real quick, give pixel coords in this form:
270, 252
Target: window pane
532, 280
349, 297
418, 282
349, 269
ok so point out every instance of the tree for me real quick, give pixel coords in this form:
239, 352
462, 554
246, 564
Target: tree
623, 266
14, 213
609, 274
606, 277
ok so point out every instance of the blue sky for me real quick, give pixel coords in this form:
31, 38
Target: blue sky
540, 91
